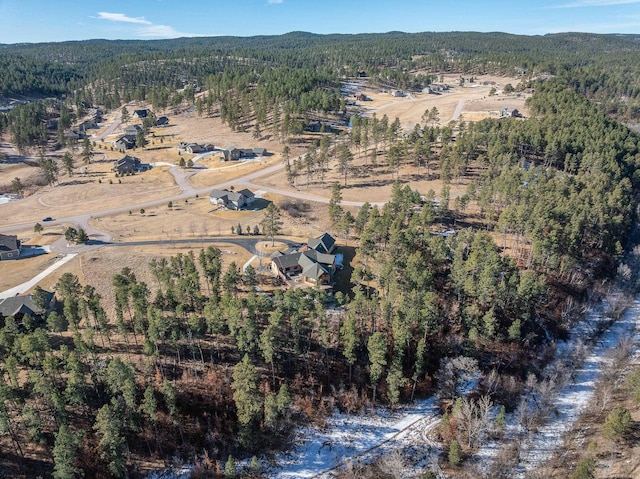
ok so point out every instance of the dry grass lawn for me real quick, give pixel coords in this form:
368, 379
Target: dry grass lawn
193, 219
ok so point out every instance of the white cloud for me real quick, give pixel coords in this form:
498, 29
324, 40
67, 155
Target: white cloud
121, 17
597, 3
162, 31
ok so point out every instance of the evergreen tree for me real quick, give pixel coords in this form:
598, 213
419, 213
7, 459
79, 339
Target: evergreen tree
64, 454
271, 224
245, 391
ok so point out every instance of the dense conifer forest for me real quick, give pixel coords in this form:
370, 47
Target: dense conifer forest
198, 364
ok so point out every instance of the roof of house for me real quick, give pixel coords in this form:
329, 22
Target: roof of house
315, 270
126, 159
259, 151
287, 261
22, 305
135, 128
323, 243
130, 139
314, 262
9, 243
233, 196
163, 120
247, 193
141, 113
317, 257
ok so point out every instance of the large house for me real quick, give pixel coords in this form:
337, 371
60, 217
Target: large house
314, 261
126, 165
132, 130
19, 306
125, 142
141, 113
194, 148
10, 247
233, 153
232, 200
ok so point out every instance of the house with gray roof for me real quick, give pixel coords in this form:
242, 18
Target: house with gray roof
132, 130
19, 306
126, 165
125, 142
232, 153
324, 243
10, 247
313, 262
232, 200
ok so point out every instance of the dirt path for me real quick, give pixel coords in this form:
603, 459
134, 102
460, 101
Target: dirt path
458, 111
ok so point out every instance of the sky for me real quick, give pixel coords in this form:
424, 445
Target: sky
35, 21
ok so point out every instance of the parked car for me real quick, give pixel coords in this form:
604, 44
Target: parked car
47, 218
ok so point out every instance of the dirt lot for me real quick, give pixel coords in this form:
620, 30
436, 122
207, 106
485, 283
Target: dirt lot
477, 102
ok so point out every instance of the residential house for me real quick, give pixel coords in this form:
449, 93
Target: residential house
209, 147
162, 121
397, 93
324, 243
508, 112
232, 200
193, 148
314, 261
86, 125
132, 130
141, 113
318, 127
125, 142
19, 306
10, 247
259, 151
362, 97
126, 165
231, 153
74, 135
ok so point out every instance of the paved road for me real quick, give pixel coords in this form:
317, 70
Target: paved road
111, 128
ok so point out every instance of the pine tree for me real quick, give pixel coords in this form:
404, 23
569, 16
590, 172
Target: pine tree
271, 224
377, 348
64, 454
245, 391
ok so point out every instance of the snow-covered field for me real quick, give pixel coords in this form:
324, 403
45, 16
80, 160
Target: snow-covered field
355, 438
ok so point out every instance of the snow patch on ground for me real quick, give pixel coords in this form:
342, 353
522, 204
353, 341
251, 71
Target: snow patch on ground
572, 399
356, 437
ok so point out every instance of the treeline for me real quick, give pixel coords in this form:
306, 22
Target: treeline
389, 58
